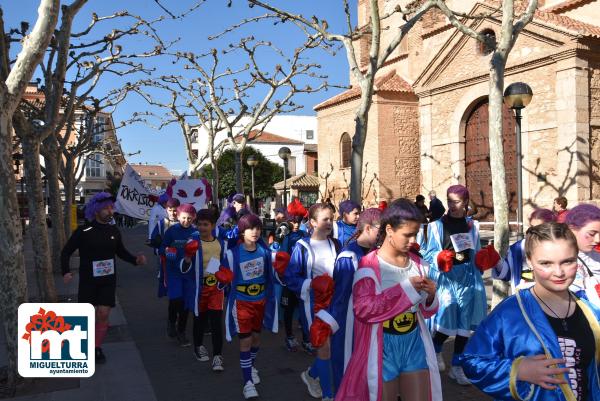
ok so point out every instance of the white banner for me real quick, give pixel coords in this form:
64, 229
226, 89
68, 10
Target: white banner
134, 199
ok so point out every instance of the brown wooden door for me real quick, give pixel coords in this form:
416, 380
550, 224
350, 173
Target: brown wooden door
477, 161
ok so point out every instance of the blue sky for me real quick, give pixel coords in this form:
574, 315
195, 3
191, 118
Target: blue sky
166, 146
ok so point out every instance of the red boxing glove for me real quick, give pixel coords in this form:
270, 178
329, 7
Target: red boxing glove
190, 248
224, 275
282, 259
445, 260
319, 332
487, 258
323, 291
597, 248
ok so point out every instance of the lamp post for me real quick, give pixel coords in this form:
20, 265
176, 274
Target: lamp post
252, 161
517, 96
284, 153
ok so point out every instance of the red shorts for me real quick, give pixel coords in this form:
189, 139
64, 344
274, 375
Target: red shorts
249, 315
211, 297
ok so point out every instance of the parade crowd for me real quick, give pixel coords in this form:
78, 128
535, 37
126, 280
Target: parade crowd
377, 293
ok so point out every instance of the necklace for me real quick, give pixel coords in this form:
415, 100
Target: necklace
563, 321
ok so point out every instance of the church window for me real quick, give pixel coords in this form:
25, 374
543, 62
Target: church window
345, 150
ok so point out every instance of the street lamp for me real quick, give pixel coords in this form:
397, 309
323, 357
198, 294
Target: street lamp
284, 153
517, 96
252, 161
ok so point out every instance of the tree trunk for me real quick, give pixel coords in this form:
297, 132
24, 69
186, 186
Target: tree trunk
13, 281
501, 227
69, 186
54, 201
358, 145
238, 172
215, 184
37, 219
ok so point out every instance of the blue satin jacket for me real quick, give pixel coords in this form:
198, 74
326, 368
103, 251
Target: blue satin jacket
505, 335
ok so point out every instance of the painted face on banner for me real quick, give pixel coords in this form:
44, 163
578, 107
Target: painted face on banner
196, 192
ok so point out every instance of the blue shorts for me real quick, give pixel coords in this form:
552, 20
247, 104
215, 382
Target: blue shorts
403, 353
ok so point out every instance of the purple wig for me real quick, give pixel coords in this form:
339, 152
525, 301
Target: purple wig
582, 214
371, 216
173, 203
239, 198
187, 208
97, 203
227, 214
163, 198
544, 215
348, 206
248, 221
459, 190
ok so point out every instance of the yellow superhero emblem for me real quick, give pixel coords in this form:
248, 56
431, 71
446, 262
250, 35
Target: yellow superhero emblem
401, 324
254, 289
210, 280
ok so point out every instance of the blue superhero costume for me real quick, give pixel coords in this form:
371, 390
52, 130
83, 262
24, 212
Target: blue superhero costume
180, 283
156, 240
518, 328
511, 268
461, 293
342, 231
232, 260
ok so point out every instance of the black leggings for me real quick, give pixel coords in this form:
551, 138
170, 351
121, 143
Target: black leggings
289, 302
459, 342
177, 314
216, 329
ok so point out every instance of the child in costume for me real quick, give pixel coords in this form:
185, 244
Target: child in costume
584, 222
248, 273
208, 300
339, 317
346, 224
309, 276
227, 229
452, 244
179, 241
156, 240
392, 295
514, 266
543, 343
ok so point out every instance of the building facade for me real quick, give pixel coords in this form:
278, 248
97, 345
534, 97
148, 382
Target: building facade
428, 123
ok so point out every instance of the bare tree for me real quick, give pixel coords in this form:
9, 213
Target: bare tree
363, 73
14, 78
501, 46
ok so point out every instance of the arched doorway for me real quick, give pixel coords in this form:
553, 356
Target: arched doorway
477, 160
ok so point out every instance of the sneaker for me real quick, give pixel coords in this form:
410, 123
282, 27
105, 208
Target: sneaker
457, 374
201, 354
312, 384
217, 363
291, 344
255, 376
171, 331
440, 361
327, 399
308, 348
100, 357
183, 340
250, 391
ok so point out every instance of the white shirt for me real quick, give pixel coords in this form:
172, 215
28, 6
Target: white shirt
156, 214
585, 261
392, 275
324, 251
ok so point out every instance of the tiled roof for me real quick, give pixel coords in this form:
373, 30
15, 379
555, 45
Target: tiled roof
266, 137
566, 5
570, 24
300, 181
152, 171
390, 82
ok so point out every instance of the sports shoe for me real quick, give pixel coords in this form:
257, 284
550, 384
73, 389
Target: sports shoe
308, 348
183, 340
250, 391
312, 384
440, 361
171, 331
201, 354
255, 376
100, 357
291, 344
217, 363
457, 374
326, 399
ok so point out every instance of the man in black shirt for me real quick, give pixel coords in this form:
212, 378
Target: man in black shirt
436, 208
98, 243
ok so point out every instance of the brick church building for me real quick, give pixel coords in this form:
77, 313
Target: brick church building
428, 125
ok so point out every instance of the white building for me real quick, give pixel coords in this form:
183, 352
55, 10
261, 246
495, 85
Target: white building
295, 132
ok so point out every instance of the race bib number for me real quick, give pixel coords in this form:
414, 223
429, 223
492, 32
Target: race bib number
213, 266
252, 269
103, 267
462, 241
